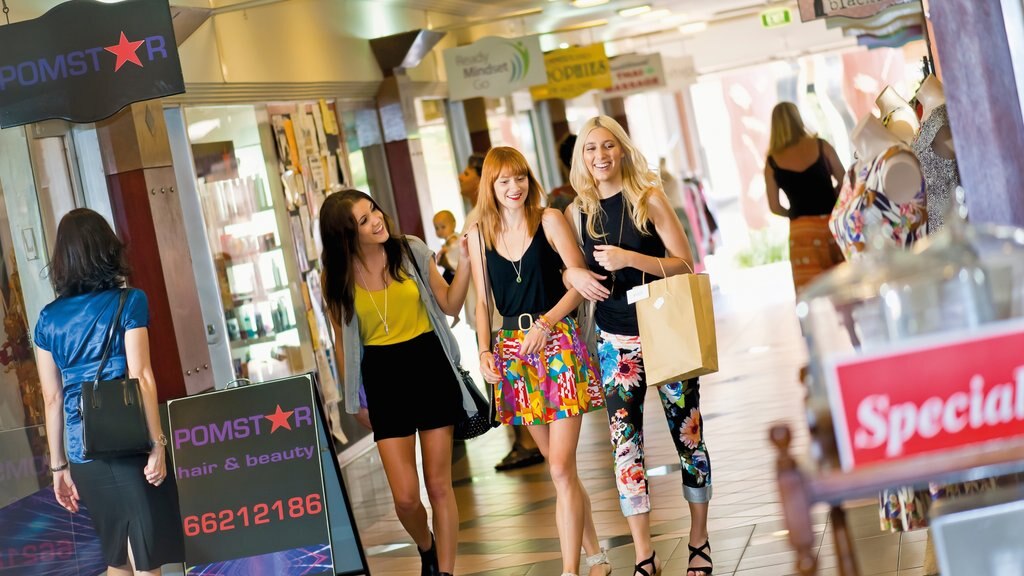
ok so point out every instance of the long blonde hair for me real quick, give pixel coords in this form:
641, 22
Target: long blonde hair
787, 127
504, 158
638, 180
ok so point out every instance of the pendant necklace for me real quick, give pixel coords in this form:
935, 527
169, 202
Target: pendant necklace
383, 317
604, 234
518, 269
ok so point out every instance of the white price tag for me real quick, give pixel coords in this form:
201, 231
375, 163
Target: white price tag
638, 293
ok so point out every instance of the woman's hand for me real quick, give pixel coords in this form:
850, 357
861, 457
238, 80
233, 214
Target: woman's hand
612, 258
65, 491
489, 367
464, 250
156, 467
536, 338
587, 283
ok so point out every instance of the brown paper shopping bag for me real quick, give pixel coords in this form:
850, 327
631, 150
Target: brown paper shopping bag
677, 328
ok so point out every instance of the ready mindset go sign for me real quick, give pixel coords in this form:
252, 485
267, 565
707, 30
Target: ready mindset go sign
84, 60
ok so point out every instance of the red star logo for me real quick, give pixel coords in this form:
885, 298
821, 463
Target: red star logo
125, 52
280, 419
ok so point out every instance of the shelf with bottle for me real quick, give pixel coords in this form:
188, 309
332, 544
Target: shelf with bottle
234, 201
256, 321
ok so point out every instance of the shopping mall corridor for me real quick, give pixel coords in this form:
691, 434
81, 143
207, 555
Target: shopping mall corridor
507, 519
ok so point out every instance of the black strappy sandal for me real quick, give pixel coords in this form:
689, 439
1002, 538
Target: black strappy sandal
695, 552
654, 567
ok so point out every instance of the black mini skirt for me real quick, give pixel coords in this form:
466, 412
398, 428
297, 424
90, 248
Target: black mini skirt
410, 386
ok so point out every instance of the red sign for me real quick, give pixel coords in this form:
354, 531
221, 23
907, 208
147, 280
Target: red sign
934, 396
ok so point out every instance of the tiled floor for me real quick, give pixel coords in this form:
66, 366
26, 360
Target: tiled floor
508, 528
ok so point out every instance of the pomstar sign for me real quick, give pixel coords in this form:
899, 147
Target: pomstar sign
934, 396
84, 60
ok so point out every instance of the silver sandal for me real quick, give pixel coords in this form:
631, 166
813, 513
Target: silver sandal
599, 559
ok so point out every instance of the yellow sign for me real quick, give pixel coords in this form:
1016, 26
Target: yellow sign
574, 71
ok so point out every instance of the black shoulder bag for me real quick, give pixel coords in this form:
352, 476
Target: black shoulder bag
485, 418
113, 416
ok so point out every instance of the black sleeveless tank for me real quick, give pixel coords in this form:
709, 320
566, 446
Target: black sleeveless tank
615, 314
810, 192
541, 287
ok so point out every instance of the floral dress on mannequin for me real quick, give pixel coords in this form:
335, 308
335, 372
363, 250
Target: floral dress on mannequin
862, 205
863, 208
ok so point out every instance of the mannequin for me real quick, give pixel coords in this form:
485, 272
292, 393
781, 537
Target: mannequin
897, 115
931, 96
934, 149
901, 176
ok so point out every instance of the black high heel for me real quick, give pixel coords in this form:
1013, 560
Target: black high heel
694, 552
654, 567
428, 559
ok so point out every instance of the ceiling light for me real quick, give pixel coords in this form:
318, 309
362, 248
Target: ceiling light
588, 3
202, 128
635, 10
657, 14
693, 28
563, 45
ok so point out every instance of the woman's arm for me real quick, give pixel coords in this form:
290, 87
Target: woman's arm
772, 191
582, 278
835, 166
53, 398
450, 297
679, 259
136, 345
483, 310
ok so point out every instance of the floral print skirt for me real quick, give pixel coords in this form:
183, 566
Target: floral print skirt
625, 388
558, 382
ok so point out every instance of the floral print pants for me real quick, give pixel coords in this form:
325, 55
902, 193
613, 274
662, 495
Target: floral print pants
625, 388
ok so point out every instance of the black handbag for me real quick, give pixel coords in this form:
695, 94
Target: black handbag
485, 418
113, 417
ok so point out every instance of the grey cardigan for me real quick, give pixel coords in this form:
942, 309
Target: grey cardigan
353, 344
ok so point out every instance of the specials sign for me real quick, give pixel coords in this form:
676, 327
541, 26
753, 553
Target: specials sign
815, 9
574, 71
494, 67
932, 396
250, 477
84, 60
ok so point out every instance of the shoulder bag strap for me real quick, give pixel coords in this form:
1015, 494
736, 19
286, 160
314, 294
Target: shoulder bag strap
110, 339
487, 282
412, 257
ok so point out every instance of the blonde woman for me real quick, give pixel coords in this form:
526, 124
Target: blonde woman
803, 166
630, 231
539, 366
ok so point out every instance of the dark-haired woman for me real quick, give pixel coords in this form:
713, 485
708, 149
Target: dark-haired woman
388, 304
132, 500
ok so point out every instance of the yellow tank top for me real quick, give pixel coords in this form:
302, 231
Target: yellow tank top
406, 314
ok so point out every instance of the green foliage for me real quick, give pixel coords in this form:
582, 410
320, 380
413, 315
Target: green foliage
766, 247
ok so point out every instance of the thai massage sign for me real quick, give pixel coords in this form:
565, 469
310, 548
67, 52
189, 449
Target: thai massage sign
934, 396
632, 73
815, 9
494, 67
574, 71
84, 60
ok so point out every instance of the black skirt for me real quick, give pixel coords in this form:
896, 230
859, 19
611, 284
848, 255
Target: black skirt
410, 386
124, 506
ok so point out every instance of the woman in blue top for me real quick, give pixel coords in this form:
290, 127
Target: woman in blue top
132, 500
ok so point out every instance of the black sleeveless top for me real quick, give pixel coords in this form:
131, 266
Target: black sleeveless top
614, 314
810, 192
541, 288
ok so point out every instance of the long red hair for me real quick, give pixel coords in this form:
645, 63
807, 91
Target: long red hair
510, 161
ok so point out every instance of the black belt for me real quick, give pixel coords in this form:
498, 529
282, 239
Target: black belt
521, 322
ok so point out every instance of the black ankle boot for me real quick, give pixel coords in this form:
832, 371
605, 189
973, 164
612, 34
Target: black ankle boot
429, 559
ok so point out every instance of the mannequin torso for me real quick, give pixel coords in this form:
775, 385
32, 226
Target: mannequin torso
897, 115
901, 176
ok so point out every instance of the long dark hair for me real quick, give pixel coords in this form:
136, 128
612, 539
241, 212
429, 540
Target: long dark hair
87, 256
339, 234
